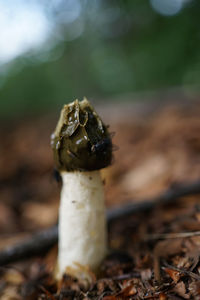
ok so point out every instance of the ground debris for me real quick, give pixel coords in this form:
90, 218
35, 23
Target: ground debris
153, 255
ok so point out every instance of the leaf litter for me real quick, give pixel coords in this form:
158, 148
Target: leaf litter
155, 153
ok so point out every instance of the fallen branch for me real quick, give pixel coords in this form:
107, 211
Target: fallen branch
37, 244
167, 197
40, 242
177, 235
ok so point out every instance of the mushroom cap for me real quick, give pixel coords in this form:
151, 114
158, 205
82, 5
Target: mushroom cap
81, 141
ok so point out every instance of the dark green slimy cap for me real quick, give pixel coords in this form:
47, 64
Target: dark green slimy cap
81, 141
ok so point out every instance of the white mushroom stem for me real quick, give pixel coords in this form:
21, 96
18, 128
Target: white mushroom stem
82, 226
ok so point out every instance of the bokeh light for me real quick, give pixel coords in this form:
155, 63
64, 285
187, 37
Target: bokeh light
23, 25
167, 7
54, 50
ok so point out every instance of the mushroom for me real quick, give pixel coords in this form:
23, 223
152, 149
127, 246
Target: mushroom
82, 146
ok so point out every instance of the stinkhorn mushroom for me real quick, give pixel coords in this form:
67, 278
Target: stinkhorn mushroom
82, 146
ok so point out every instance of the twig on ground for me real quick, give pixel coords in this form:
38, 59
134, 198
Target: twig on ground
127, 276
183, 271
169, 196
177, 235
40, 242
37, 244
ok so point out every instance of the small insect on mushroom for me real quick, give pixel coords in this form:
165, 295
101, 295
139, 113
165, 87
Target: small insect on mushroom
102, 145
82, 146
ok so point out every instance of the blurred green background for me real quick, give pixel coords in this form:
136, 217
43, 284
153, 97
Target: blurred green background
54, 51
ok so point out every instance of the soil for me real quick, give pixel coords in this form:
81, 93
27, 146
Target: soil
150, 257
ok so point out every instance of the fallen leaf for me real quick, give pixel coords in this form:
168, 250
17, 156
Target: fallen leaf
110, 298
130, 290
14, 277
175, 275
180, 290
162, 296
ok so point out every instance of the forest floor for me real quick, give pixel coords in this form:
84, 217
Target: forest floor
154, 254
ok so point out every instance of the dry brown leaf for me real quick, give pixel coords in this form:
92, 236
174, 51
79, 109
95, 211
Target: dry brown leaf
10, 293
175, 275
128, 291
180, 290
125, 293
13, 276
168, 247
162, 296
110, 298
164, 249
194, 289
